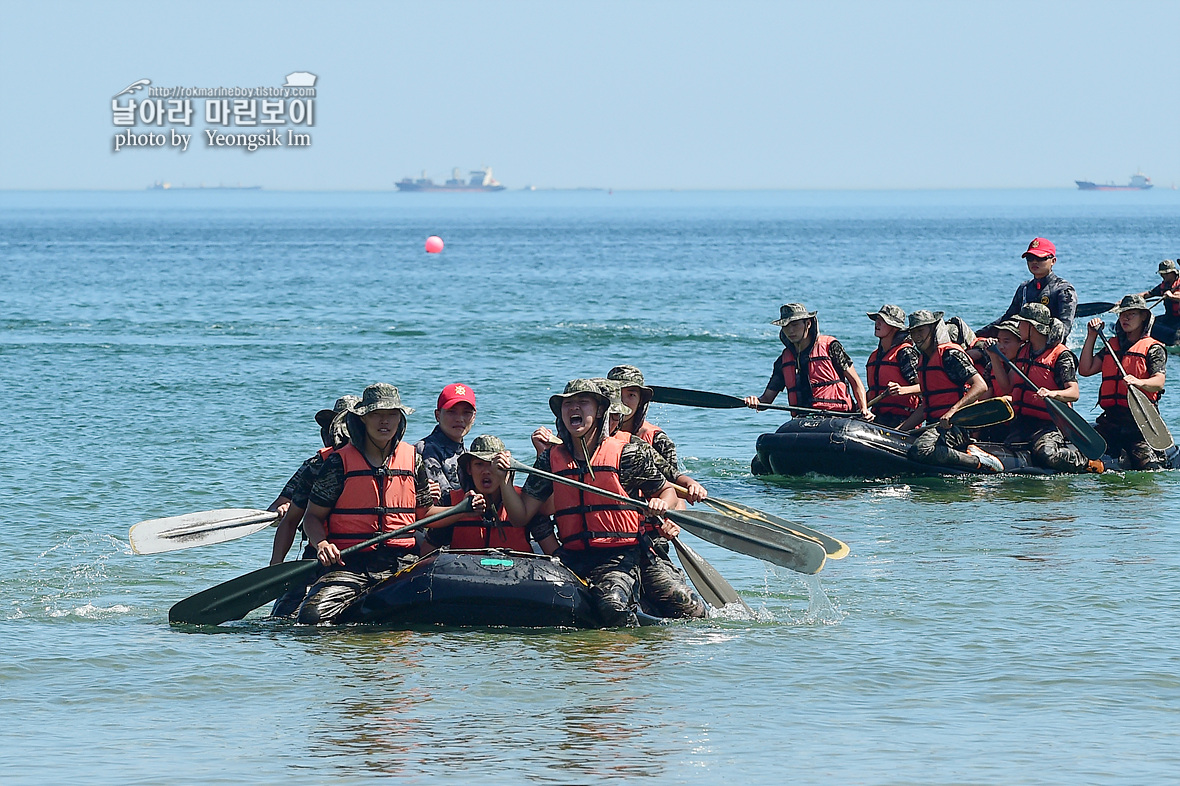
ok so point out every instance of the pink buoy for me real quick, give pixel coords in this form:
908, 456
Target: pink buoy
434, 244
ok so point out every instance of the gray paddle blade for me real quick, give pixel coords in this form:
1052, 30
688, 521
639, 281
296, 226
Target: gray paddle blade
836, 549
754, 540
713, 587
1148, 419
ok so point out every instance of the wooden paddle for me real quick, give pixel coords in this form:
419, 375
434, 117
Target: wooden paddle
1094, 309
835, 549
204, 528
743, 536
1065, 417
234, 599
1143, 412
701, 398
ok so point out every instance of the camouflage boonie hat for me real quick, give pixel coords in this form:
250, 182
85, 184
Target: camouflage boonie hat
960, 332
1131, 303
379, 396
630, 377
575, 387
1168, 266
1037, 315
923, 317
792, 312
484, 447
1011, 325
614, 392
890, 315
325, 416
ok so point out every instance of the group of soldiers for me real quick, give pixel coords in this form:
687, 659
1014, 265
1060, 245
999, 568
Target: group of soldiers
368, 480
925, 369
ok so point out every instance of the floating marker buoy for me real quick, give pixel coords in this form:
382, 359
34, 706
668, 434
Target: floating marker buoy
434, 244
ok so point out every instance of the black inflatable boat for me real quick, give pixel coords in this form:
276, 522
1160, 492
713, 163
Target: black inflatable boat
846, 447
489, 587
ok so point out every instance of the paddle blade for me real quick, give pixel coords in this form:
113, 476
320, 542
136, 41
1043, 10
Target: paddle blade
713, 587
835, 549
695, 398
236, 598
981, 414
1148, 419
1092, 309
204, 528
753, 539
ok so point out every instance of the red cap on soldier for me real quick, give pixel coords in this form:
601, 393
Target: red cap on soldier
1040, 247
454, 393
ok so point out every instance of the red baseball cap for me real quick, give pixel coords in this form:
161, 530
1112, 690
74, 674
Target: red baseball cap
1040, 247
454, 393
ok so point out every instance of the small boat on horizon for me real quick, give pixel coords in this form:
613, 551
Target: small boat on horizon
1139, 182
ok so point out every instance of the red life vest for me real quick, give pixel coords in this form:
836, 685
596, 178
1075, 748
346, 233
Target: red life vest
879, 372
374, 499
828, 390
472, 532
1113, 393
939, 393
584, 519
1171, 307
647, 432
1025, 401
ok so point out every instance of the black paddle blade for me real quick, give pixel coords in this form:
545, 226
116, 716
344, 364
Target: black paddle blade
1076, 429
695, 398
1092, 309
753, 539
236, 598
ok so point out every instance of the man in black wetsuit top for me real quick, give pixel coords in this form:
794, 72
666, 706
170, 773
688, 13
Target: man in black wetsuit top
1045, 287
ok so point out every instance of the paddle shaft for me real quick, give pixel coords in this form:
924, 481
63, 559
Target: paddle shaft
701, 398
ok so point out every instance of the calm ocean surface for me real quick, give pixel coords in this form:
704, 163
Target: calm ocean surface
165, 352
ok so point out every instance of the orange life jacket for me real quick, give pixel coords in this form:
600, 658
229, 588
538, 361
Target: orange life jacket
879, 372
1113, 393
1025, 401
584, 519
374, 499
647, 432
939, 393
828, 390
473, 532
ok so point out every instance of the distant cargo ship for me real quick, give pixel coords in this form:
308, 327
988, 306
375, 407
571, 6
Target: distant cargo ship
1139, 182
481, 180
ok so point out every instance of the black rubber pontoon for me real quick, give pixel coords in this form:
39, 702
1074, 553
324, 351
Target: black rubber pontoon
846, 447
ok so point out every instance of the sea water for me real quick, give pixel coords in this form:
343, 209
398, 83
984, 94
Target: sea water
164, 352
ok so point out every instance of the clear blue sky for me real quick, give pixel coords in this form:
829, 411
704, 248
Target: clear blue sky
623, 95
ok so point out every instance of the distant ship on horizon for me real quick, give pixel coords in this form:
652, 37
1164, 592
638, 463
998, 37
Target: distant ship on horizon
481, 180
163, 185
1139, 182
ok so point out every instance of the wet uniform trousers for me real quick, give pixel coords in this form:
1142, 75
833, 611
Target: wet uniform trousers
948, 448
1049, 447
665, 590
